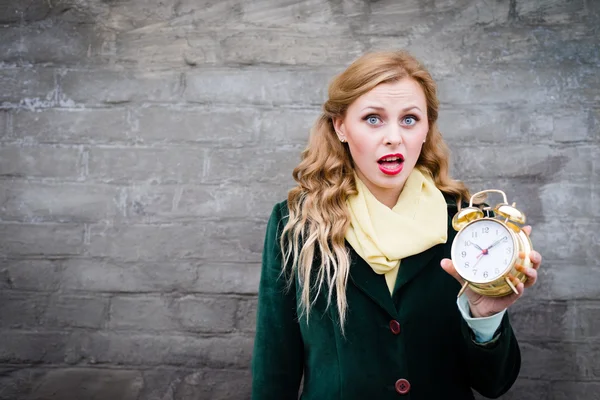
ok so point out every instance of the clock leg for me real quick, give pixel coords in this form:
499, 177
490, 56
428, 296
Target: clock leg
462, 289
514, 289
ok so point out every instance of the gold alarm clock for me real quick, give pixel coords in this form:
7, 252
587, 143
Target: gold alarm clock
486, 249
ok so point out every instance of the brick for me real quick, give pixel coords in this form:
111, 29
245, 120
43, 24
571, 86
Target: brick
238, 241
66, 311
175, 46
92, 384
595, 125
40, 161
261, 165
207, 314
126, 348
30, 88
73, 126
166, 313
246, 315
569, 84
576, 390
257, 86
41, 239
5, 125
574, 240
25, 10
568, 282
145, 313
36, 275
586, 320
91, 275
18, 382
518, 43
559, 360
228, 278
126, 14
540, 199
513, 161
231, 241
33, 347
9, 36
151, 203
572, 126
210, 13
64, 202
118, 165
302, 47
414, 19
149, 242
544, 320
286, 126
53, 43
385, 43
525, 389
206, 383
33, 10
553, 12
109, 86
197, 125
570, 199
21, 310
494, 125
265, 12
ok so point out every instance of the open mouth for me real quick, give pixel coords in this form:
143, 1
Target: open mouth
391, 164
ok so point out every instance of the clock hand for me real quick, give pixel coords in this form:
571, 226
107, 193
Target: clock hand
479, 258
477, 247
496, 242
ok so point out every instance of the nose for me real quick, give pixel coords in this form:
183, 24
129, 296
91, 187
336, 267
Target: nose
393, 135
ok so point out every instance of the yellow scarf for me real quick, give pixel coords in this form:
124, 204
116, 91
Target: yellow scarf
383, 236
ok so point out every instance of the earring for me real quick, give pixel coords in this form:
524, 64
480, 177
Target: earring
424, 140
343, 140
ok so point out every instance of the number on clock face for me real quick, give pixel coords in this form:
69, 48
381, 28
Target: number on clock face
483, 250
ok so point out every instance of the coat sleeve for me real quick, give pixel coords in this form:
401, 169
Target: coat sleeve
277, 362
493, 367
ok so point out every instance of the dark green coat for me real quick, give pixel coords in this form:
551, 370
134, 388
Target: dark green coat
433, 348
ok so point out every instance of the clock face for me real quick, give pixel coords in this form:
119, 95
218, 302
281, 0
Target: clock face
483, 251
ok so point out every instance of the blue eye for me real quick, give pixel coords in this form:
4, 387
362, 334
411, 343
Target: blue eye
372, 119
410, 120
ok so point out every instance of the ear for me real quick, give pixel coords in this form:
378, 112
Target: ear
340, 128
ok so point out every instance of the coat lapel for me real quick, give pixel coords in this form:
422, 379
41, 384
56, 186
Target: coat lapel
410, 266
371, 283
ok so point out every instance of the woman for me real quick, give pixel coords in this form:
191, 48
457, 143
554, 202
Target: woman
358, 296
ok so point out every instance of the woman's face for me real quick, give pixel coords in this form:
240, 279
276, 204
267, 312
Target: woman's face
385, 129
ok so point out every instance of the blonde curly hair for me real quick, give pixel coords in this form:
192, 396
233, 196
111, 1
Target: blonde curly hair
318, 215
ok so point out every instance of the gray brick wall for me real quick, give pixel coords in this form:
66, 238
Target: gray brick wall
143, 144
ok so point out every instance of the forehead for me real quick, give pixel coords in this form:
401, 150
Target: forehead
390, 94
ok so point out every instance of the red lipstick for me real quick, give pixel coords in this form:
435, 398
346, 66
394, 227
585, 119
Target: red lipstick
391, 164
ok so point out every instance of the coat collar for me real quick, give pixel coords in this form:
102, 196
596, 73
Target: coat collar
374, 285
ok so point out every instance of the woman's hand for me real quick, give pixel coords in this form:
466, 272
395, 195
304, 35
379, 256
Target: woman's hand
484, 306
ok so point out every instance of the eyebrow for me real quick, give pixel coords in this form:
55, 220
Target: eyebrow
383, 109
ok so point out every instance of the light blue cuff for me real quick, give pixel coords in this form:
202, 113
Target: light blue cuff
483, 328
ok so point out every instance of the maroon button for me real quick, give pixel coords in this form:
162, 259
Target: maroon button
402, 386
395, 327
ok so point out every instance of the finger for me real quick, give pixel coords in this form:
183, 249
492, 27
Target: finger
448, 266
530, 273
510, 299
527, 230
536, 258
